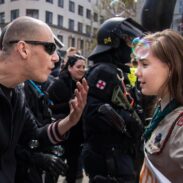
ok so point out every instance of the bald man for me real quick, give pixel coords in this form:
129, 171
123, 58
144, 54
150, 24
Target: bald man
28, 52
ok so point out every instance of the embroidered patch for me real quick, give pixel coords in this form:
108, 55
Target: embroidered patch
101, 84
158, 138
180, 122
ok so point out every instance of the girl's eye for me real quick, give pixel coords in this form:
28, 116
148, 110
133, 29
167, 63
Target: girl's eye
144, 64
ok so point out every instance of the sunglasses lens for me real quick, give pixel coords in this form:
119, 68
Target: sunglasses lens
50, 48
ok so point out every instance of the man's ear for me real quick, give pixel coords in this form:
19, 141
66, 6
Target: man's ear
23, 49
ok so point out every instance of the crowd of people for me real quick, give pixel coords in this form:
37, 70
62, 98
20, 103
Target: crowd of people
117, 126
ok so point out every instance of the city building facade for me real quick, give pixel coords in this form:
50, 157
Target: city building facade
74, 22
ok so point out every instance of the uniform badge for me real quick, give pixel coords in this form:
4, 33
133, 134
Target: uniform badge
158, 138
101, 84
180, 122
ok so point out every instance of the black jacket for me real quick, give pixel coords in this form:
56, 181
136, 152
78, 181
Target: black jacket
107, 151
15, 121
103, 80
61, 92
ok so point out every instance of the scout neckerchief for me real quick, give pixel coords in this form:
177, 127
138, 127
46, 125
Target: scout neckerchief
40, 92
158, 116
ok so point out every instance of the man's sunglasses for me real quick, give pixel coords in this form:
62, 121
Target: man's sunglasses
48, 46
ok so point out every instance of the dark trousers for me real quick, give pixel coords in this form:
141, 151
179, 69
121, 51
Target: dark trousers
72, 154
108, 162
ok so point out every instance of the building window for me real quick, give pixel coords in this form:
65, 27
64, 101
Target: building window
1, 1
61, 3
71, 6
49, 1
49, 17
60, 37
101, 19
95, 17
71, 41
88, 13
82, 44
2, 16
95, 31
80, 27
32, 13
88, 30
14, 14
80, 10
60, 20
71, 24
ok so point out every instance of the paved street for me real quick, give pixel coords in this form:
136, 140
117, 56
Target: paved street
83, 180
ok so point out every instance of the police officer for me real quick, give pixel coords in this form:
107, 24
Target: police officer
109, 153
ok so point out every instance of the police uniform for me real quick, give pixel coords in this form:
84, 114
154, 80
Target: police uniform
109, 153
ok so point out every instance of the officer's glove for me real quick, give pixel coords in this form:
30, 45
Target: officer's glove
50, 163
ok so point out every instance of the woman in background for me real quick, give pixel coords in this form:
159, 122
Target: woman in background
61, 92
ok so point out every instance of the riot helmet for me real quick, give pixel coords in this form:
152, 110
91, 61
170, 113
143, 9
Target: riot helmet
113, 33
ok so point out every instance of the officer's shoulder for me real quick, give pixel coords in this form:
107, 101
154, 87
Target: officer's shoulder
103, 67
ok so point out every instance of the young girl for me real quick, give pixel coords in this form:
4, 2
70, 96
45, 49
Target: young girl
160, 73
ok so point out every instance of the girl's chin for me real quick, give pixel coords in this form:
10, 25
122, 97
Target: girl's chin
144, 92
147, 93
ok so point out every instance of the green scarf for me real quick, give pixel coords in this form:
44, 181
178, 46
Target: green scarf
158, 116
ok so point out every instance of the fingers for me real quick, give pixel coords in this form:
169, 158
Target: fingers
58, 167
78, 103
83, 87
63, 167
81, 92
85, 84
80, 99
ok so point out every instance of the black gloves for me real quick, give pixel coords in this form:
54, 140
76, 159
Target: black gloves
102, 179
50, 163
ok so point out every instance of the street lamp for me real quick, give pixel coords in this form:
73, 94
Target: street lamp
117, 7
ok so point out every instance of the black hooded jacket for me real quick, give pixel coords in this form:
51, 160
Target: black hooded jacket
15, 121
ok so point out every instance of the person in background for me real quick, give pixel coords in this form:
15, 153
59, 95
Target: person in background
28, 53
60, 93
71, 51
160, 73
